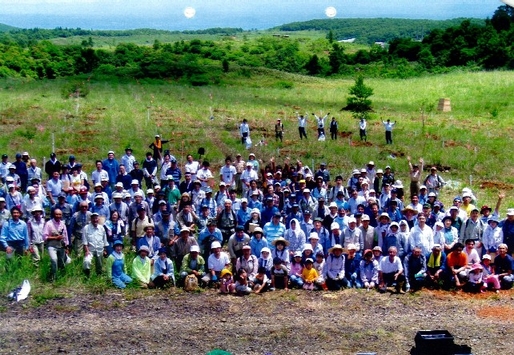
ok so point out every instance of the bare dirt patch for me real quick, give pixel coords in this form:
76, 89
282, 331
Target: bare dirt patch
502, 186
294, 322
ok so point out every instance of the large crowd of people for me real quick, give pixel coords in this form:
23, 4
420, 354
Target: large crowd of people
252, 226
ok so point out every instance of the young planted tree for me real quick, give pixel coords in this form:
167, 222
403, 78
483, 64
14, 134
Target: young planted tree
358, 102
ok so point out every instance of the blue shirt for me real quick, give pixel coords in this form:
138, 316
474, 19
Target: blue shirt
14, 231
243, 216
273, 231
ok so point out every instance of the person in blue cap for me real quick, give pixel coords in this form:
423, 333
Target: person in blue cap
116, 267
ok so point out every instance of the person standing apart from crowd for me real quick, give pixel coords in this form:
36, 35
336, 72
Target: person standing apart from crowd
157, 147
321, 123
279, 130
302, 122
333, 129
362, 130
388, 125
244, 130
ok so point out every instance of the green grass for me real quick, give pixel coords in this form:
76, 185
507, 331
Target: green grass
115, 114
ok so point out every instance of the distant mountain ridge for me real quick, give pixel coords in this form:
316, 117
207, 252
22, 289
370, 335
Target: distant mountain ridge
369, 30
364, 30
5, 28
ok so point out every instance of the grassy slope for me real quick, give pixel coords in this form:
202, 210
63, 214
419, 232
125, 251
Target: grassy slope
114, 115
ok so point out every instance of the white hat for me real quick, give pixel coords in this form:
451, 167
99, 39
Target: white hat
265, 250
98, 184
306, 190
244, 199
307, 247
332, 204
138, 193
119, 184
149, 191
352, 220
334, 225
365, 217
486, 256
134, 182
194, 248
371, 162
351, 246
313, 235
510, 212
215, 244
298, 253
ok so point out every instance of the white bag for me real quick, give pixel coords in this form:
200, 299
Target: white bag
248, 142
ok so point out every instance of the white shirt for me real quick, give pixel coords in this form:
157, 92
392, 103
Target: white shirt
192, 167
218, 264
227, 174
423, 238
386, 266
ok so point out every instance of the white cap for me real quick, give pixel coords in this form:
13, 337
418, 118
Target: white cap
313, 235
134, 182
334, 225
194, 248
215, 244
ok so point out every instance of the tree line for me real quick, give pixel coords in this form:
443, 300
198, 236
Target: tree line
468, 44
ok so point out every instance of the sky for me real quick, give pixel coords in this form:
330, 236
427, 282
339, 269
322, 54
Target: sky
248, 14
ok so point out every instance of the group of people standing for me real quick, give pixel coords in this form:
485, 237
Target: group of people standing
254, 226
244, 129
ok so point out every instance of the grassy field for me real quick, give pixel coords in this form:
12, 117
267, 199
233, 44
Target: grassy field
473, 140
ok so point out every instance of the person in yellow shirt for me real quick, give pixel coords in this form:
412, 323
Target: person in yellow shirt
309, 275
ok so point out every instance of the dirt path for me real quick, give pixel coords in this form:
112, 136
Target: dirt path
296, 322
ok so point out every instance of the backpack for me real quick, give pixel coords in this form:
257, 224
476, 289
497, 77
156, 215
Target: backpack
190, 283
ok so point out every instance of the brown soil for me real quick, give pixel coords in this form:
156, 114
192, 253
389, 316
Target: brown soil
361, 144
294, 322
496, 185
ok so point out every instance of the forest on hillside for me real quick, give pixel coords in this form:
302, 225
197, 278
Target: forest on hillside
367, 30
477, 46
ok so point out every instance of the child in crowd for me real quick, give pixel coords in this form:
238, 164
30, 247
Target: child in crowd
319, 264
261, 281
279, 275
475, 282
296, 270
242, 284
490, 278
226, 283
309, 275
281, 251
266, 261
